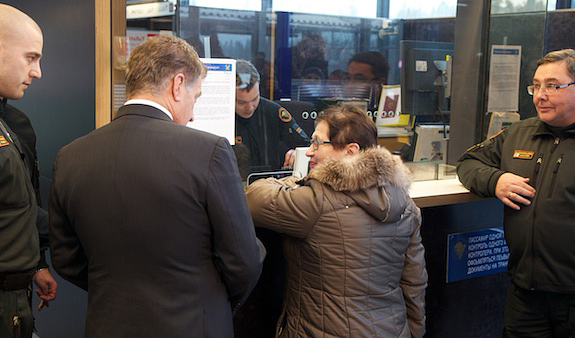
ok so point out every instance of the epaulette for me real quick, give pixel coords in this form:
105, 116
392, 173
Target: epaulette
477, 146
482, 144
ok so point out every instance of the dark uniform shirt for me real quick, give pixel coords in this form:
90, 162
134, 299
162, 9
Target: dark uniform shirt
539, 236
263, 139
18, 210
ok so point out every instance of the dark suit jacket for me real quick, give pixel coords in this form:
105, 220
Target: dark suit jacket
150, 217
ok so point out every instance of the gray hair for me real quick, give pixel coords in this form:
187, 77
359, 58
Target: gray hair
157, 60
566, 55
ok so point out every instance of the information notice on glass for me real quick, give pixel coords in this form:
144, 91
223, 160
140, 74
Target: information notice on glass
476, 253
504, 78
214, 111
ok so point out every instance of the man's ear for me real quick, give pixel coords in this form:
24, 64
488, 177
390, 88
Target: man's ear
178, 86
352, 149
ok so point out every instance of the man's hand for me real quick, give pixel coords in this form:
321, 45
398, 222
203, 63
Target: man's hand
48, 287
512, 189
289, 159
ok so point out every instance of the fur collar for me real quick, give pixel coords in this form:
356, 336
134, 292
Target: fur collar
371, 167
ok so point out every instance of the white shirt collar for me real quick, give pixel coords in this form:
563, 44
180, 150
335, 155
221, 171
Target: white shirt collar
150, 103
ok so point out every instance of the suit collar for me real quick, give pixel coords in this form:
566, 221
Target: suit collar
143, 110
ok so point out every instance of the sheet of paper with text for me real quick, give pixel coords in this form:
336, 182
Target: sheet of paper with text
504, 72
214, 111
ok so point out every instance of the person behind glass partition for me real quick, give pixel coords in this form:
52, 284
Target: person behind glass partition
353, 250
308, 53
266, 132
367, 72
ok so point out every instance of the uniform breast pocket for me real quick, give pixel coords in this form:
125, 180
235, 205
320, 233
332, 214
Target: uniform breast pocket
14, 182
564, 174
526, 164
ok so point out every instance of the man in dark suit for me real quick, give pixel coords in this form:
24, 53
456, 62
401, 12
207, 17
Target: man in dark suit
149, 216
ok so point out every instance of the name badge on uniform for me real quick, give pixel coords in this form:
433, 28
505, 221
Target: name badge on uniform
523, 154
3, 141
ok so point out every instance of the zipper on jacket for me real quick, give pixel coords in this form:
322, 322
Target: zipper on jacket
555, 144
557, 164
538, 167
536, 170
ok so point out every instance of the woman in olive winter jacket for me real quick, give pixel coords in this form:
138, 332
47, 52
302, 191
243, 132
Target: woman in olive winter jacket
355, 261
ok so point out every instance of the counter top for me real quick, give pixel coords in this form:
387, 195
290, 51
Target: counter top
440, 192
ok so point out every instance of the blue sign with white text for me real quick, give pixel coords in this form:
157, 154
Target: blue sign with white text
476, 253
226, 67
505, 51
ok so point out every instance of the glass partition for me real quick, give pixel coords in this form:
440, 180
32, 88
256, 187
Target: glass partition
311, 56
506, 18
308, 61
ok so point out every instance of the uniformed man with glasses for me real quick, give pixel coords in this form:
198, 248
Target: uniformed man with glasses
528, 166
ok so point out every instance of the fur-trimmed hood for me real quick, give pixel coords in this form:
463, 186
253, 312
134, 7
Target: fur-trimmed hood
372, 167
351, 235
375, 179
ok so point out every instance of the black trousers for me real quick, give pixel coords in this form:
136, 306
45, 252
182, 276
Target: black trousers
16, 319
538, 314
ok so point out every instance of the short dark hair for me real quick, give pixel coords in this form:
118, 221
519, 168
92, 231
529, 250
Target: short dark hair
378, 63
157, 60
247, 76
348, 124
566, 55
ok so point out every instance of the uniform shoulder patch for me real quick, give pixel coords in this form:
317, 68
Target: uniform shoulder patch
284, 115
3, 141
238, 140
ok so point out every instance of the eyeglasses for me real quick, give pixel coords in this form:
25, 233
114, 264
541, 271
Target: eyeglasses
315, 143
549, 89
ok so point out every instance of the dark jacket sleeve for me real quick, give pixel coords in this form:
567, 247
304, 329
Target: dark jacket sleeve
237, 253
21, 126
68, 256
479, 167
43, 234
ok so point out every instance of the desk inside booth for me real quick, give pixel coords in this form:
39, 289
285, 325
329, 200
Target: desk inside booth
394, 139
423, 143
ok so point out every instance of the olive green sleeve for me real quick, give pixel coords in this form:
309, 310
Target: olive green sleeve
479, 167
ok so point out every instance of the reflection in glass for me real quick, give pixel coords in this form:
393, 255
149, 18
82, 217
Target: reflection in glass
517, 6
356, 8
419, 9
315, 60
252, 5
